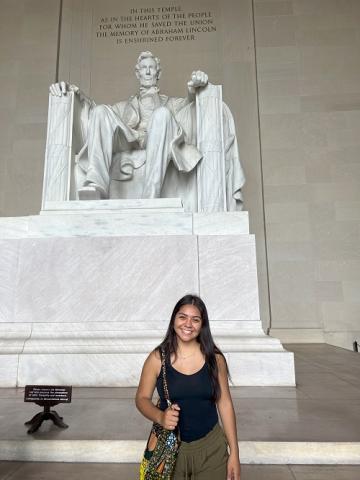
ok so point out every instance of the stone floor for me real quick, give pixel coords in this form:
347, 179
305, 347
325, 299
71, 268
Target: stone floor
328, 378
324, 407
96, 471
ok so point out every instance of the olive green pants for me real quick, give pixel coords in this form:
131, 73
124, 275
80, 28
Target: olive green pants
204, 459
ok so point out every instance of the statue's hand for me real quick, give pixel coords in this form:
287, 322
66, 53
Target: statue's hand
198, 79
62, 88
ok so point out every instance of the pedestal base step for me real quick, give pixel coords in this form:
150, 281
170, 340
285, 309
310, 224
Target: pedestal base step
123, 370
130, 451
133, 219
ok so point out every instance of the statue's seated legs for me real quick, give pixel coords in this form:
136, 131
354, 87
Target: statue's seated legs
107, 134
163, 129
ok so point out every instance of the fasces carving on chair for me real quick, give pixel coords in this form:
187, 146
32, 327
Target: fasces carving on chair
153, 146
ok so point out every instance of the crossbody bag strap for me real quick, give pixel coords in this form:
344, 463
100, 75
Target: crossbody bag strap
163, 368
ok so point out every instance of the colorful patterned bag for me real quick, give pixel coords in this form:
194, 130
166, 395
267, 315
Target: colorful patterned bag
162, 447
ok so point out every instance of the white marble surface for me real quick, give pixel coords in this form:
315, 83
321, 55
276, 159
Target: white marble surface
8, 370
14, 227
122, 337
129, 451
211, 177
119, 206
134, 277
300, 453
262, 368
104, 278
112, 222
95, 370
242, 328
102, 451
58, 155
250, 368
112, 353
221, 223
228, 276
9, 254
102, 344
127, 329
13, 336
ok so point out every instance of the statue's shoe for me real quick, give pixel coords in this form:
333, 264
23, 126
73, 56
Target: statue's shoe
91, 192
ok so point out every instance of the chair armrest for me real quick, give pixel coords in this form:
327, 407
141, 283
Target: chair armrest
66, 136
56, 186
211, 179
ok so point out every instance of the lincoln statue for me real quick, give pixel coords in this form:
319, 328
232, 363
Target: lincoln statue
149, 131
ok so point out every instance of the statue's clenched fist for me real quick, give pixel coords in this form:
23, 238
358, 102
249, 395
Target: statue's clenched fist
198, 79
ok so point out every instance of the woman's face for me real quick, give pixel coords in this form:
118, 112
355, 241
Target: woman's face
188, 323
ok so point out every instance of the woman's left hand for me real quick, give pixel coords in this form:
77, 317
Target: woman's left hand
233, 468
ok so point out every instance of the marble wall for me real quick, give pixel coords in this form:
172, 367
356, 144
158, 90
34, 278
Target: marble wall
28, 51
309, 100
306, 71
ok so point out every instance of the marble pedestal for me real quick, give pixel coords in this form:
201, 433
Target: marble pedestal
87, 291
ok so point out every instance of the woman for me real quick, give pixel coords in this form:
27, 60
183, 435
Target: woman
197, 377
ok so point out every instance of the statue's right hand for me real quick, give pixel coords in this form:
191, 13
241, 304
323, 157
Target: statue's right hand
62, 88
170, 417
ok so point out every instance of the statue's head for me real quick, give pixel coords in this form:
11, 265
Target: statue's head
147, 69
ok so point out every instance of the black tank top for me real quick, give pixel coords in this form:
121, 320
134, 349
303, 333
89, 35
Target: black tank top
193, 394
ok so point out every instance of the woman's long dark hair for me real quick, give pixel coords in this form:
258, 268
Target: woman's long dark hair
207, 344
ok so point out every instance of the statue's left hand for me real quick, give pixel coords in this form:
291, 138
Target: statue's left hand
198, 79
62, 88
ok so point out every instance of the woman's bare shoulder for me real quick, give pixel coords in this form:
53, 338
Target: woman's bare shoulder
154, 361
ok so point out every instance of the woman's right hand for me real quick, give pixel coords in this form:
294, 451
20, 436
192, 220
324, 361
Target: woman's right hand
170, 417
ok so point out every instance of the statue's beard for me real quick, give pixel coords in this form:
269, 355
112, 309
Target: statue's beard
148, 85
